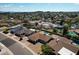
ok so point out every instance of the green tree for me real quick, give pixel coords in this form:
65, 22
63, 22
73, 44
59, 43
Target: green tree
68, 22
62, 22
46, 50
55, 31
77, 19
65, 29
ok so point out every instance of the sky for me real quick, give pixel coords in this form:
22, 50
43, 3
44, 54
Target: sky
30, 7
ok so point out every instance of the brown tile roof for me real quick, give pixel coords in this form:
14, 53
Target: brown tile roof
57, 45
62, 38
38, 35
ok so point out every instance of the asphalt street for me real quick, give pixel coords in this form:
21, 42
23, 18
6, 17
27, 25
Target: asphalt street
15, 47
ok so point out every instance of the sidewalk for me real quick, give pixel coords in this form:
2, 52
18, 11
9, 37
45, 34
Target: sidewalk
5, 50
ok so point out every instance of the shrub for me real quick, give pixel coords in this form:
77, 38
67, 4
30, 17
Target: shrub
6, 30
46, 50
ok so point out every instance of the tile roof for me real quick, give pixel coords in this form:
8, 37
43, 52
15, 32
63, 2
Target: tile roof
38, 35
61, 38
57, 45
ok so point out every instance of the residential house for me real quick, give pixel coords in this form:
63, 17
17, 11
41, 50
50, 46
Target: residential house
21, 31
39, 37
63, 46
